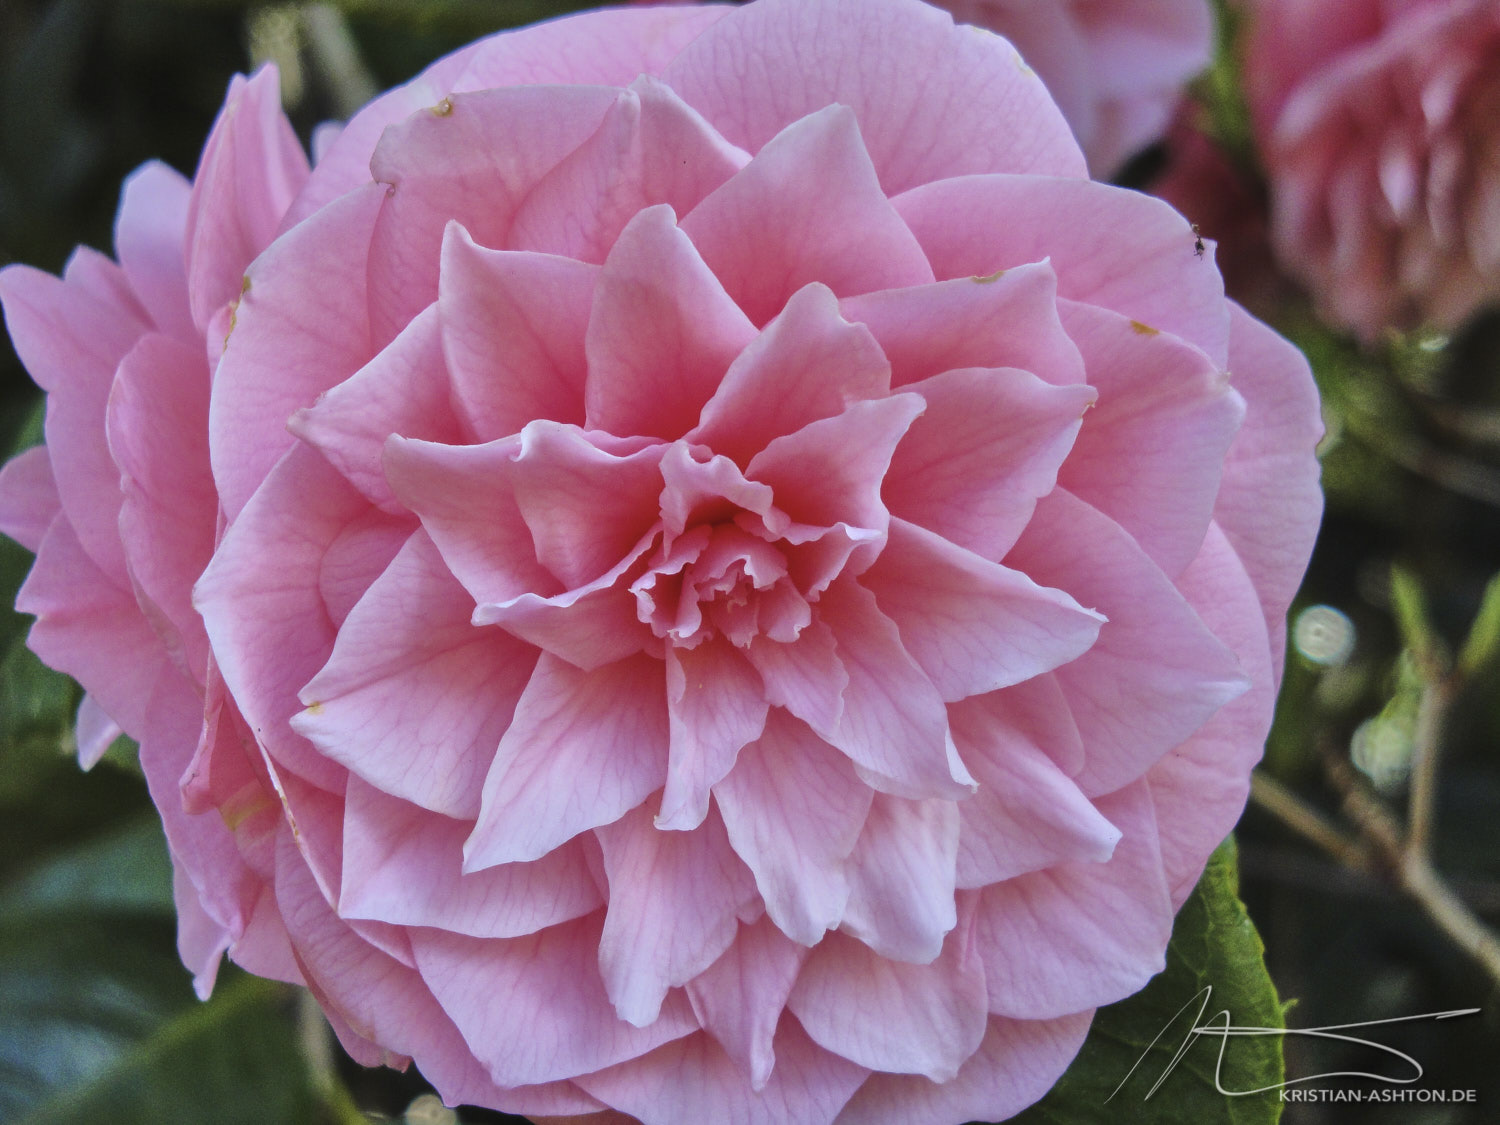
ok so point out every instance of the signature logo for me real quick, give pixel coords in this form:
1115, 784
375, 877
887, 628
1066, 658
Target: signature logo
1219, 1026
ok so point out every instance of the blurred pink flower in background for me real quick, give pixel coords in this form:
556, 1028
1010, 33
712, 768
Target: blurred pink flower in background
735, 582
1115, 67
1379, 123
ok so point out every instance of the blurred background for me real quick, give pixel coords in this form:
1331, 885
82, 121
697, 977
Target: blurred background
1370, 855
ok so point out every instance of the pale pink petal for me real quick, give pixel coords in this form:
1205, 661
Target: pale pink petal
94, 731
150, 233
402, 865
695, 491
806, 676
794, 810
90, 628
201, 941
1028, 814
465, 498
673, 901
157, 424
894, 725
740, 997
1269, 504
554, 972
513, 331
807, 208
403, 390
357, 556
562, 479
651, 148
1201, 786
809, 363
472, 157
1007, 319
71, 334
934, 100
989, 444
893, 1016
830, 471
902, 878
715, 706
692, 1080
28, 497
251, 168
973, 625
270, 635
1017, 1062
1134, 255
380, 999
1078, 935
1151, 452
584, 749
414, 699
1156, 673
610, 48
662, 332
296, 333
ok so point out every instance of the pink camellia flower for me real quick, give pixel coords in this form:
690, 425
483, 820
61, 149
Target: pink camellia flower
1379, 122
717, 576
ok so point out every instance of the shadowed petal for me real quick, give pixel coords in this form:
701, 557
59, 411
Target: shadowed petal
901, 878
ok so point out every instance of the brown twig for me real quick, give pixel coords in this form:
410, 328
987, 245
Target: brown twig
1305, 820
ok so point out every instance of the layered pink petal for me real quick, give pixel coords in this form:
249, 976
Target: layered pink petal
806, 677
1156, 674
403, 390
740, 997
157, 424
28, 497
893, 1016
902, 877
809, 363
1270, 505
661, 334
973, 625
674, 898
692, 1080
90, 628
269, 636
485, 985
402, 865
808, 207
471, 157
584, 749
1134, 255
716, 705
512, 333
293, 336
934, 100
894, 725
1017, 1062
988, 446
651, 148
251, 169
1078, 935
1028, 814
794, 810
1200, 788
150, 233
71, 334
1151, 453
413, 698
1008, 319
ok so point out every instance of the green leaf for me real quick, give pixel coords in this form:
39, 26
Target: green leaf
1484, 635
1214, 946
98, 1021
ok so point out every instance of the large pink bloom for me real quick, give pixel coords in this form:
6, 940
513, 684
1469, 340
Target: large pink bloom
742, 586
1379, 121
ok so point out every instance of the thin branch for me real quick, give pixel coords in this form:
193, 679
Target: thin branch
1276, 799
1427, 742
